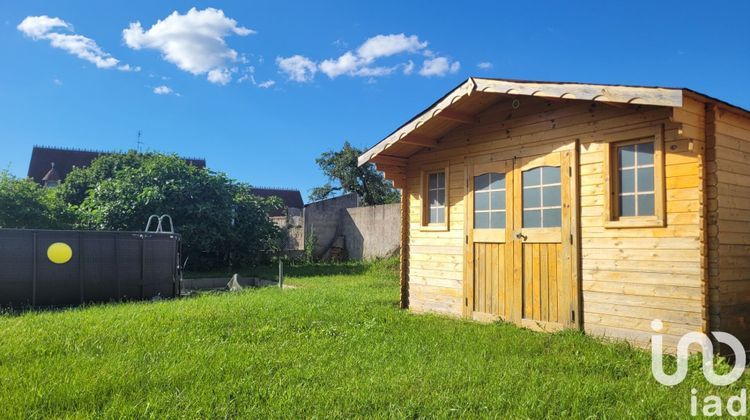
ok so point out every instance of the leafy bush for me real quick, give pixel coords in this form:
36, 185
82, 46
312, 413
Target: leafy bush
25, 204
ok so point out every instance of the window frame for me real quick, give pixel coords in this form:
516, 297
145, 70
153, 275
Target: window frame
541, 186
425, 173
612, 218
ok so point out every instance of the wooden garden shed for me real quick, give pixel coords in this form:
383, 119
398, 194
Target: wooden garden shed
570, 205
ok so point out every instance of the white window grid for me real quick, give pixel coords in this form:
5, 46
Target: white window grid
636, 167
489, 190
542, 187
437, 189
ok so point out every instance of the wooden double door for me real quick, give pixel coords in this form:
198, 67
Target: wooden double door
520, 240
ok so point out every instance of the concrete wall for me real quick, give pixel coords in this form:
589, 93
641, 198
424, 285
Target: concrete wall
368, 232
371, 232
323, 218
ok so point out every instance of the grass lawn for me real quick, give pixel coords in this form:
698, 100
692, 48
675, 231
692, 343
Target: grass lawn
335, 346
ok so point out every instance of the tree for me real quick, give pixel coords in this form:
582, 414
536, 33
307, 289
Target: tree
26, 204
341, 168
220, 221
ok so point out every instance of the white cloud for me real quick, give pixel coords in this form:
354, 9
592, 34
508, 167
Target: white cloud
267, 84
45, 28
37, 27
375, 71
193, 41
484, 65
347, 63
409, 67
297, 68
388, 45
163, 90
359, 63
219, 76
57, 82
439, 66
363, 61
128, 67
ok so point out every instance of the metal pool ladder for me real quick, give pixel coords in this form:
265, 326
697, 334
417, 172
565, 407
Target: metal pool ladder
160, 223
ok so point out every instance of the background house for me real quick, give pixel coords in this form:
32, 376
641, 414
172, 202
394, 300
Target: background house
289, 217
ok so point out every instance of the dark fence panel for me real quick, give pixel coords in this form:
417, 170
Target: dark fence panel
104, 266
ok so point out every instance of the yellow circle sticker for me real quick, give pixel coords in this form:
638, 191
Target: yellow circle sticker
59, 253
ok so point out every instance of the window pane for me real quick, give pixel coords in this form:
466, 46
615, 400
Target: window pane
440, 215
626, 156
432, 197
481, 182
645, 204
481, 220
627, 181
551, 196
532, 198
440, 197
532, 218
552, 218
497, 220
627, 205
432, 181
551, 175
497, 200
481, 201
532, 177
497, 181
433, 215
645, 179
441, 179
645, 154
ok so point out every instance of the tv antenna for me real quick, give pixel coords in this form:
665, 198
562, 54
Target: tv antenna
139, 143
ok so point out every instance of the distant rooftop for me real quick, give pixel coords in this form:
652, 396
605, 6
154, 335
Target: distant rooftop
291, 198
55, 163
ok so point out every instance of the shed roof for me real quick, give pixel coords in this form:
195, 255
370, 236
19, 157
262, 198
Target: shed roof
60, 161
474, 95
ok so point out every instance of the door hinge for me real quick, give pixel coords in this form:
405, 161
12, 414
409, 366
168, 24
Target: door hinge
466, 301
571, 239
467, 239
573, 316
570, 171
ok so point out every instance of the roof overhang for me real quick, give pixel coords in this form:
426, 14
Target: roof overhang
461, 105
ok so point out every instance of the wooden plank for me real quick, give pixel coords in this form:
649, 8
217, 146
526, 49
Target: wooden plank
419, 140
544, 282
404, 252
606, 93
462, 117
390, 160
537, 284
554, 309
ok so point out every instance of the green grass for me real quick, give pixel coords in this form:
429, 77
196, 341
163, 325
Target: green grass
336, 346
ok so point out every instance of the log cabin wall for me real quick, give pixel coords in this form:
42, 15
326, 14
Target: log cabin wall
730, 293
629, 276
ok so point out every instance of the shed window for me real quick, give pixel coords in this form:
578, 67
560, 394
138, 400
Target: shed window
542, 204
489, 201
436, 197
635, 187
635, 166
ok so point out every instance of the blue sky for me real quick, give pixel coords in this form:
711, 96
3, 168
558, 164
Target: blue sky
268, 132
